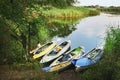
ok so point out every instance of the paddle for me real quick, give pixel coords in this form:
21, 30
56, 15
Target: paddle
74, 61
46, 68
58, 39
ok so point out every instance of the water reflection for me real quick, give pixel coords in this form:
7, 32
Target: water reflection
89, 31
62, 30
64, 21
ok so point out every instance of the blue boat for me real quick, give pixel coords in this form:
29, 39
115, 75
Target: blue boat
88, 58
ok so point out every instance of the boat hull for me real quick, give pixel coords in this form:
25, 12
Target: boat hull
47, 50
88, 59
51, 56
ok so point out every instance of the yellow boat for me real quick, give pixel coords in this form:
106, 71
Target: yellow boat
44, 49
34, 50
64, 61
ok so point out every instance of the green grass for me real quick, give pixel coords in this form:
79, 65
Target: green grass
64, 12
113, 40
70, 12
61, 13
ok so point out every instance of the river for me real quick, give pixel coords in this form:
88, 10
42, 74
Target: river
90, 31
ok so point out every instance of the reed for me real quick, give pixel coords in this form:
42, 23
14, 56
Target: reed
62, 13
69, 13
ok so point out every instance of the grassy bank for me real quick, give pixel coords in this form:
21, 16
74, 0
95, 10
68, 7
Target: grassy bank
108, 67
66, 15
69, 12
61, 13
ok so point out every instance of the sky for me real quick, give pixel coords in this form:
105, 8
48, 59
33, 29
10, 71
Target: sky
99, 2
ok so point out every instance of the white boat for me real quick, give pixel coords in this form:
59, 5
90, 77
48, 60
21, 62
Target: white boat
56, 52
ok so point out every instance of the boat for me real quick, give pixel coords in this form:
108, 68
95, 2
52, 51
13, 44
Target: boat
64, 61
56, 52
88, 59
45, 49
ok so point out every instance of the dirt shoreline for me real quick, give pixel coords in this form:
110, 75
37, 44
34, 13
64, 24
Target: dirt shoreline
8, 73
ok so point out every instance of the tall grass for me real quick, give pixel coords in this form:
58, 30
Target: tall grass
113, 40
62, 13
70, 12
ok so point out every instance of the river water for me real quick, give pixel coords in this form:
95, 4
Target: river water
90, 31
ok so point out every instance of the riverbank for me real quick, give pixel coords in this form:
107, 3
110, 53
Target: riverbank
60, 13
69, 12
23, 72
9, 73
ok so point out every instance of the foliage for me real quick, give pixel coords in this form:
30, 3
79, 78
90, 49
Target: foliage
4, 41
56, 3
13, 10
113, 10
20, 29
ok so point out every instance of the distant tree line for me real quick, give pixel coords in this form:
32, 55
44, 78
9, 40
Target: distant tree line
111, 9
56, 3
